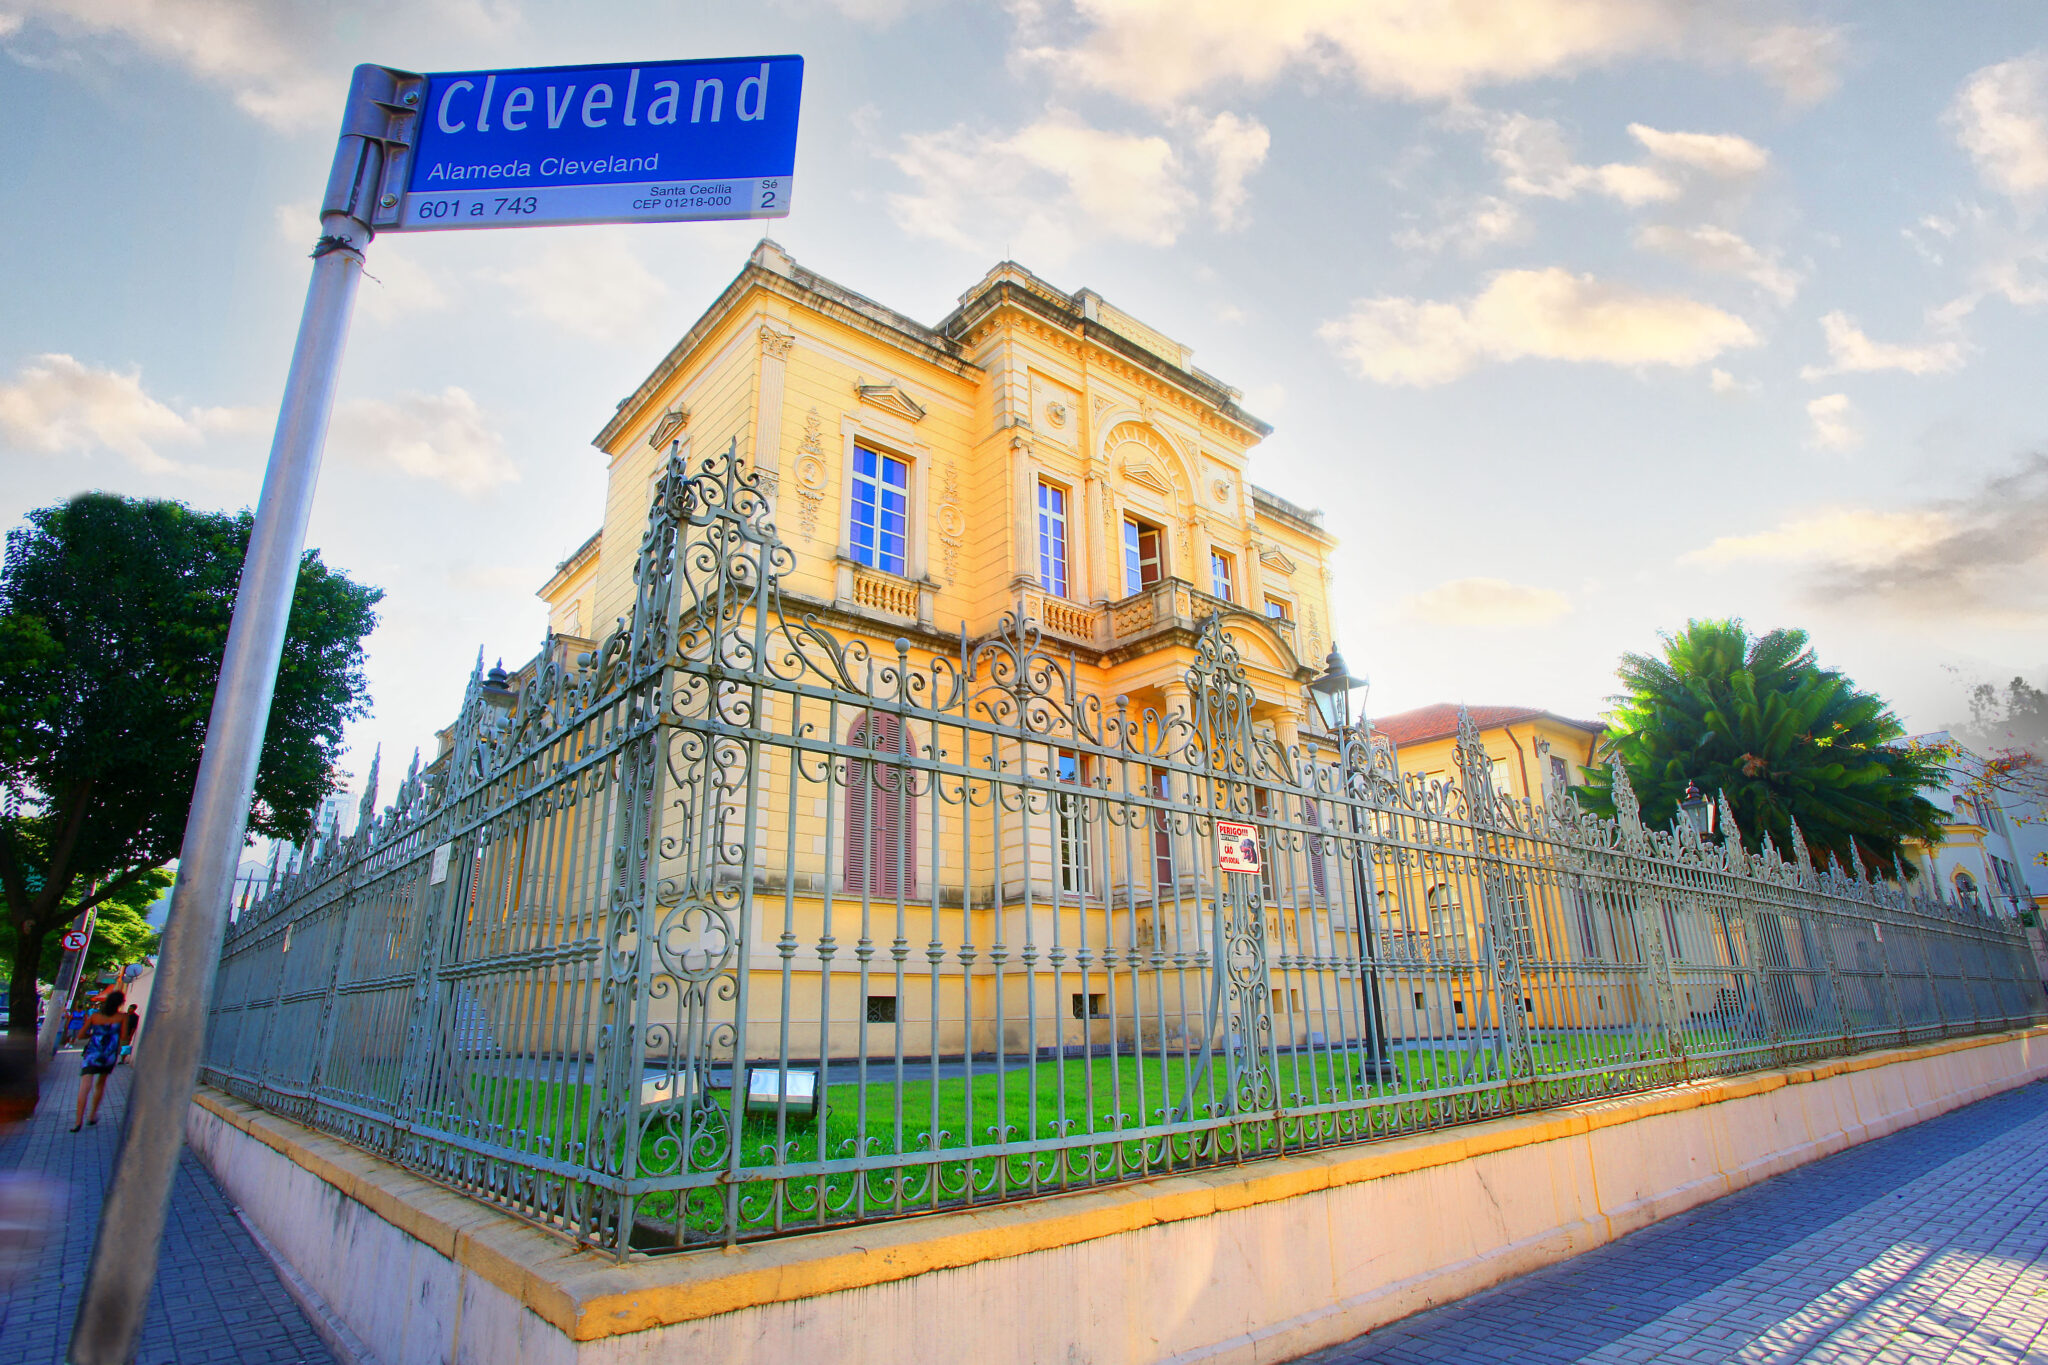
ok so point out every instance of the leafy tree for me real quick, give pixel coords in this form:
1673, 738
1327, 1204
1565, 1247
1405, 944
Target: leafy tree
1758, 718
121, 932
113, 619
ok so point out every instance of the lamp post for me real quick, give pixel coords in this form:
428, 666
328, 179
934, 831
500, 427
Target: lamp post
1697, 810
1340, 704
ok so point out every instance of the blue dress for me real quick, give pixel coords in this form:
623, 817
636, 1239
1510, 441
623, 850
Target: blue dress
102, 1049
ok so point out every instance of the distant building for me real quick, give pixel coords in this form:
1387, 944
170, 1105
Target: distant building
1976, 860
1535, 753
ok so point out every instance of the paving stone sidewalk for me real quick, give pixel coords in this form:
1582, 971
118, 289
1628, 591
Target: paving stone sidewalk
217, 1297
1930, 1245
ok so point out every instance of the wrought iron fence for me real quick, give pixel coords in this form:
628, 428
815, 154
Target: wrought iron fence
733, 926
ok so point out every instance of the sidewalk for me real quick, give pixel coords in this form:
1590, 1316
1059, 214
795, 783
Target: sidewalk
217, 1297
1930, 1245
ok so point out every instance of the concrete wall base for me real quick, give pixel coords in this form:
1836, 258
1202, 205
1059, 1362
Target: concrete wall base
1254, 1264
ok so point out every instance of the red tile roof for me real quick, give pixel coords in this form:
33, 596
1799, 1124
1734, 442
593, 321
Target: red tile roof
1440, 721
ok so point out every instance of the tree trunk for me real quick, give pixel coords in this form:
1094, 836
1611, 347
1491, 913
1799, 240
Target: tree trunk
21, 995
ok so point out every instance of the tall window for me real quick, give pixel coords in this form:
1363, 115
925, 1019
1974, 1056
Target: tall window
1072, 816
881, 817
1278, 610
1560, 775
1446, 922
1162, 829
1222, 576
880, 533
1143, 561
1052, 538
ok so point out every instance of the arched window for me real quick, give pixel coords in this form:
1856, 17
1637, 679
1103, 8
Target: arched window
881, 817
1966, 888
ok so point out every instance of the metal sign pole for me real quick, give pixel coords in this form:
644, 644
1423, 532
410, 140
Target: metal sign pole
132, 1218
69, 971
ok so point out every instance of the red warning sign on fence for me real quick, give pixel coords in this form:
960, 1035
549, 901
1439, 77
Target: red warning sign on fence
1237, 846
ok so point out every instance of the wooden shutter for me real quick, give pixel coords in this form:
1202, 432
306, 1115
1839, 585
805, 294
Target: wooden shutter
1318, 873
881, 819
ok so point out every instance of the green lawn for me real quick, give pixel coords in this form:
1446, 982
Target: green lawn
1037, 1102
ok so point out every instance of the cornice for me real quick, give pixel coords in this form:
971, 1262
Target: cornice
806, 290
1203, 396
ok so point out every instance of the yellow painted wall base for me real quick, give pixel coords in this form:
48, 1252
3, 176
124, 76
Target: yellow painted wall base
1255, 1264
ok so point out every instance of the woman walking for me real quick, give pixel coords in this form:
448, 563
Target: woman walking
104, 1029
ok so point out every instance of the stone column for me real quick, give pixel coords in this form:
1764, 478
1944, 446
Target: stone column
1101, 584
768, 402
1024, 511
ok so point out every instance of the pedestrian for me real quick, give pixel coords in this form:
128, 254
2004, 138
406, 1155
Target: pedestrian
131, 1025
104, 1028
74, 1019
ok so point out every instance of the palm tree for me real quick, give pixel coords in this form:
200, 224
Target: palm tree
1759, 720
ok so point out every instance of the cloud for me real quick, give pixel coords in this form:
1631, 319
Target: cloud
1542, 314
1234, 148
281, 61
1720, 154
57, 405
1162, 52
1485, 602
589, 282
441, 437
1722, 382
1718, 249
1851, 352
1979, 557
1044, 189
2000, 117
1832, 429
1534, 160
1481, 224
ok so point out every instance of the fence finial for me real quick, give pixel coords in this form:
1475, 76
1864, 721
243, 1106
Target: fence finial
1627, 809
1799, 848
367, 807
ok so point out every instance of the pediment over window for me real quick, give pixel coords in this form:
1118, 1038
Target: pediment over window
892, 398
670, 426
1273, 557
1149, 476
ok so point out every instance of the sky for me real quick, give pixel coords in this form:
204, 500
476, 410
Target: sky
1577, 318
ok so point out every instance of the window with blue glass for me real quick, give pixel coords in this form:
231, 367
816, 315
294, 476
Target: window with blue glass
1052, 538
880, 534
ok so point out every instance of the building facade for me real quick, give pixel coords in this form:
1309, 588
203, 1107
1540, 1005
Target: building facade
1977, 860
1036, 453
1038, 462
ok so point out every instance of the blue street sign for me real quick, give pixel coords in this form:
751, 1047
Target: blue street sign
605, 144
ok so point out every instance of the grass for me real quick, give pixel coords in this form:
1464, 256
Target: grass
1056, 1104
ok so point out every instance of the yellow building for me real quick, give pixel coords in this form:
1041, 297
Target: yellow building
1433, 913
1035, 456
1036, 452
1535, 754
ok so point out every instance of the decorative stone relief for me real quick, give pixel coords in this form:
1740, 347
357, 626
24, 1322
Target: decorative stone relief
1221, 488
810, 474
1056, 413
952, 521
774, 343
